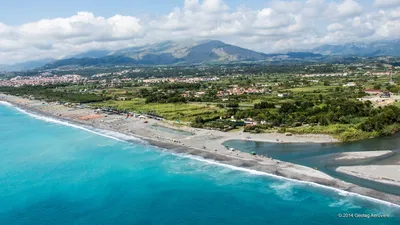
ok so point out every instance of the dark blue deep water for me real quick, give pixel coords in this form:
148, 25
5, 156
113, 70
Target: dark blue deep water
51, 173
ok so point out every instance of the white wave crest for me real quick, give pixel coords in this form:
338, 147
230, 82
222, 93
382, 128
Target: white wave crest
105, 133
283, 190
343, 203
259, 173
5, 103
120, 137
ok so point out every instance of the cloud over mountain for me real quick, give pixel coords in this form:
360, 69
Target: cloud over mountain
275, 26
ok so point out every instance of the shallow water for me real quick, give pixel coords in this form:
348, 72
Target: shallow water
56, 174
312, 155
302, 151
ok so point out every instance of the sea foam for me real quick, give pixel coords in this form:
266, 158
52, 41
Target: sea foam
5, 103
126, 138
105, 133
259, 173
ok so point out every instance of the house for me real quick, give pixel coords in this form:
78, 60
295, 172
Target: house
198, 94
350, 84
248, 122
386, 94
283, 95
121, 99
372, 91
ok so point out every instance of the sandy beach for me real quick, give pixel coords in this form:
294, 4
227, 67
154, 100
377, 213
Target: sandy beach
209, 145
354, 158
389, 174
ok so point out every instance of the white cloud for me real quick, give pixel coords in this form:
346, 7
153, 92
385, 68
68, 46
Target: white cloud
277, 26
335, 27
51, 36
191, 4
313, 8
386, 3
124, 26
214, 6
83, 26
395, 13
287, 6
349, 8
268, 18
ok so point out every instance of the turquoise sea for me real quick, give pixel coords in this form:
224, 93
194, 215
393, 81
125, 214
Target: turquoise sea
55, 173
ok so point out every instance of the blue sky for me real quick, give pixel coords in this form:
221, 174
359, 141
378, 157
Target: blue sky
34, 29
16, 12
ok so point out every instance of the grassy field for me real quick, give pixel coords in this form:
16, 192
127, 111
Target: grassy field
171, 111
343, 132
72, 88
312, 88
242, 105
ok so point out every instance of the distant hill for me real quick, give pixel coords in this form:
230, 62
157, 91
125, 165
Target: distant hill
92, 54
190, 52
378, 48
210, 51
28, 65
107, 60
168, 53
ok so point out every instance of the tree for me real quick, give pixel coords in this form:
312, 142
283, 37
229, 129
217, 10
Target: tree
377, 86
199, 120
264, 105
323, 120
287, 108
260, 117
233, 105
240, 114
321, 98
144, 92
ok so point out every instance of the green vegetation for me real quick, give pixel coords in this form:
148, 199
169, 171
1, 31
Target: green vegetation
343, 132
171, 111
256, 98
222, 125
48, 94
312, 88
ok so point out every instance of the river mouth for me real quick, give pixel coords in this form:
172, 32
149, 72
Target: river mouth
317, 156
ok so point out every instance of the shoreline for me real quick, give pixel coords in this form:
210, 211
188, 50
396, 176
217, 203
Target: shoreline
212, 150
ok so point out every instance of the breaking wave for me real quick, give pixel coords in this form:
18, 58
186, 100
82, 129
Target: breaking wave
105, 133
126, 138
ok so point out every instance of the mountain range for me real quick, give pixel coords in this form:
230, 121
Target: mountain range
373, 49
206, 51
168, 53
28, 65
